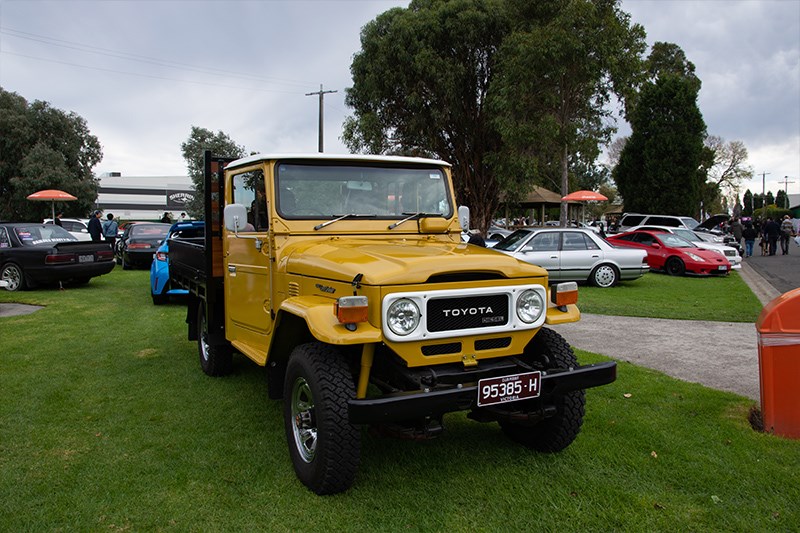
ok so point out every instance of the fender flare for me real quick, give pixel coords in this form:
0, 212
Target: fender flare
317, 312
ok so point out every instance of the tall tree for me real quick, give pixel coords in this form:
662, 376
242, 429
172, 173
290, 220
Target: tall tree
560, 67
420, 86
729, 167
747, 204
660, 170
200, 140
455, 79
44, 148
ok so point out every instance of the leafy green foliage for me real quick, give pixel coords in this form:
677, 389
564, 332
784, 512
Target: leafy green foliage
44, 148
660, 168
508, 91
118, 429
200, 140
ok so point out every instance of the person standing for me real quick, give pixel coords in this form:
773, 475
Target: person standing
95, 228
787, 229
749, 233
771, 232
110, 230
57, 220
736, 229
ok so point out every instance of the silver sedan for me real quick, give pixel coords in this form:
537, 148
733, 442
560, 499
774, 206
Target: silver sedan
571, 254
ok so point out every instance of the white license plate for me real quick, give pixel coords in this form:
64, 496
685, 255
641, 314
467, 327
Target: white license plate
85, 259
511, 388
722, 267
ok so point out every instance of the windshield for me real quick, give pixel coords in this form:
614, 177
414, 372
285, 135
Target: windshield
37, 234
690, 222
511, 242
686, 234
308, 191
673, 241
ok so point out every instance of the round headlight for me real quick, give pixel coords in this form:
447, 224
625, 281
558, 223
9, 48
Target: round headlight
403, 317
530, 306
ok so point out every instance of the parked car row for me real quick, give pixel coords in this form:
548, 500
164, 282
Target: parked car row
36, 254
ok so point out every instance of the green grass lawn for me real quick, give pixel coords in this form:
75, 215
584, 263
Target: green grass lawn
655, 295
108, 423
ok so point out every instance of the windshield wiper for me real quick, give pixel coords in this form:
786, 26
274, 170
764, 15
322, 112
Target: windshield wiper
414, 216
342, 217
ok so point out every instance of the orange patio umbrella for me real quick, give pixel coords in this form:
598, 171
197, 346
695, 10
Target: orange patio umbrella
52, 196
584, 196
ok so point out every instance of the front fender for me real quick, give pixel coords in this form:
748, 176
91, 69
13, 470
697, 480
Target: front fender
317, 312
556, 316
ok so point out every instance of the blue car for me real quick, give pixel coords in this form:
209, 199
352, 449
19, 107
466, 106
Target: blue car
160, 289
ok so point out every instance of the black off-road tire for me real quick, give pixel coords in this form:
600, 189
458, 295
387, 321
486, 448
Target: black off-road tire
215, 359
324, 446
604, 276
559, 431
15, 276
675, 266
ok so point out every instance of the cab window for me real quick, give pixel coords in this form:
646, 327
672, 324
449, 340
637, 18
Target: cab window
248, 190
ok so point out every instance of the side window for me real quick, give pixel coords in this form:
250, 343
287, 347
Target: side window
4, 240
663, 221
544, 242
632, 220
573, 241
645, 238
248, 190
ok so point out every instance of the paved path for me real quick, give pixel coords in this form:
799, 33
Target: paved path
722, 355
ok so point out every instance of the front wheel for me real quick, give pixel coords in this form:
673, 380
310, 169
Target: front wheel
13, 275
215, 359
324, 446
604, 276
675, 267
549, 350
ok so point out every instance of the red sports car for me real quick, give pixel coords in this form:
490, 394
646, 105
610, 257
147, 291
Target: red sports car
674, 255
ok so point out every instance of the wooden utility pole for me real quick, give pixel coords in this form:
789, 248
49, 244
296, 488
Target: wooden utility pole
786, 183
321, 94
763, 180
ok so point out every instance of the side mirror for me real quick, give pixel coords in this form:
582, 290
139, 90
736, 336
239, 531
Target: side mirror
463, 217
235, 217
656, 245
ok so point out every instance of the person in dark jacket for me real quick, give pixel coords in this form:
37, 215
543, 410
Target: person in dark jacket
749, 233
772, 231
95, 227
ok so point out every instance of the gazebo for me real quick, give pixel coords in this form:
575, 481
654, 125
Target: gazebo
537, 201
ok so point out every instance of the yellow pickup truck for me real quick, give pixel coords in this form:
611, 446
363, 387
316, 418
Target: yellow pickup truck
347, 278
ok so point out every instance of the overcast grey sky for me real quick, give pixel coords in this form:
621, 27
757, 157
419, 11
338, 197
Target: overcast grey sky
143, 72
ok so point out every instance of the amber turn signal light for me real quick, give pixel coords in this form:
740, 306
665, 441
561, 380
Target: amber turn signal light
351, 309
564, 294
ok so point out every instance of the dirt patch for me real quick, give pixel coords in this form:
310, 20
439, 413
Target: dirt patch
13, 309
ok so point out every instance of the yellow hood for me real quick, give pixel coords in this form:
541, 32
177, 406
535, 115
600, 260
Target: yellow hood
400, 261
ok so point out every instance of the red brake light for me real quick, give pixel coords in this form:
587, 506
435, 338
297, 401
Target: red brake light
59, 259
161, 256
138, 245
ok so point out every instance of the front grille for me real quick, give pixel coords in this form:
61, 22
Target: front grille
492, 344
470, 312
440, 349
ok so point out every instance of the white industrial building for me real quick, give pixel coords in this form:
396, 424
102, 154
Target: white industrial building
143, 197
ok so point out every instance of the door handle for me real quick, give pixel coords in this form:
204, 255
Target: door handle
232, 269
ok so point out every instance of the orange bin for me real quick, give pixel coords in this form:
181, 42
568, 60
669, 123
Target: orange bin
778, 329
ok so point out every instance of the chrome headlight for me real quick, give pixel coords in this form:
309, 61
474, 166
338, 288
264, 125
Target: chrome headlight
403, 317
530, 306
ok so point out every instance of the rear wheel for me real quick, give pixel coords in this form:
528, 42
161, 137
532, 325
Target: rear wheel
324, 446
674, 266
215, 359
14, 276
549, 350
604, 276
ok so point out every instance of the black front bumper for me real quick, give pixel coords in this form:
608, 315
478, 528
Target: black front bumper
415, 405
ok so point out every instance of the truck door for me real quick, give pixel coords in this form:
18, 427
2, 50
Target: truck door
247, 270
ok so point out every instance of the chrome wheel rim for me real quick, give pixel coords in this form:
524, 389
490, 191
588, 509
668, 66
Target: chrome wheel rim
13, 277
605, 276
304, 426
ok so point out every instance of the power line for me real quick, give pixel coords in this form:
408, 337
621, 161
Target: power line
148, 75
60, 43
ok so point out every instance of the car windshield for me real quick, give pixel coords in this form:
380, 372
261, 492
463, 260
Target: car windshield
511, 242
308, 191
689, 222
38, 234
689, 235
673, 241
150, 231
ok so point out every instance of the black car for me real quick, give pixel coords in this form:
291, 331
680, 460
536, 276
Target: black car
33, 254
139, 242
